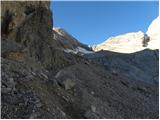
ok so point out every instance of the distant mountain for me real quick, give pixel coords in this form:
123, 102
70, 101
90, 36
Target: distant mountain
133, 42
126, 43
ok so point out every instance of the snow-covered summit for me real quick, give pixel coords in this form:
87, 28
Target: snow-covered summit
126, 43
154, 33
134, 41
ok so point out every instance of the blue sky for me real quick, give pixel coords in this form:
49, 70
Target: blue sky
94, 22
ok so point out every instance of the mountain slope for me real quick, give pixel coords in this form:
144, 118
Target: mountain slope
68, 43
41, 80
142, 65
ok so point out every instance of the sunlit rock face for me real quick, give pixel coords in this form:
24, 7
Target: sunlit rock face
133, 42
126, 43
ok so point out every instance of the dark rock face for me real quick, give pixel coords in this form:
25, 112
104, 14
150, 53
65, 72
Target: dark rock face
13, 17
32, 31
27, 29
39, 80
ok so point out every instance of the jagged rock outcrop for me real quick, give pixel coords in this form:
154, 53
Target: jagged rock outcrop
13, 17
32, 31
27, 24
40, 80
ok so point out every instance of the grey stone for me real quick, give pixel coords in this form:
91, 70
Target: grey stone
6, 90
93, 108
68, 84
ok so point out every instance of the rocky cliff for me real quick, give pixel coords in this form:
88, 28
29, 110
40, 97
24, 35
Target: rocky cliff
40, 80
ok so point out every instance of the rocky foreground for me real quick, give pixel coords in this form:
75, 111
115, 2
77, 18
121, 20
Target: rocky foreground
43, 76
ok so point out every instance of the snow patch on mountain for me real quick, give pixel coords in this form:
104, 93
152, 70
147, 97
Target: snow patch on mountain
78, 50
83, 50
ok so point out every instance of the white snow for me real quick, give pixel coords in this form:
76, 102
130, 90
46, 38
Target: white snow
71, 51
154, 33
126, 43
82, 50
78, 50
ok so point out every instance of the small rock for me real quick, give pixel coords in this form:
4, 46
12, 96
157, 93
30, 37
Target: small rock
11, 79
6, 90
60, 73
91, 115
68, 84
63, 113
92, 92
45, 76
39, 105
93, 108
33, 116
11, 83
34, 73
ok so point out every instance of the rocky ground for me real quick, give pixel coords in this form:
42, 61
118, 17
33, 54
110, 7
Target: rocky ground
41, 80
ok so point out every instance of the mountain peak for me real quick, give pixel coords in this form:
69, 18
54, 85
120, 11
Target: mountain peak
154, 33
126, 43
134, 41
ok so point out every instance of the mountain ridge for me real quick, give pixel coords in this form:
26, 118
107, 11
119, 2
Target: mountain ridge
133, 41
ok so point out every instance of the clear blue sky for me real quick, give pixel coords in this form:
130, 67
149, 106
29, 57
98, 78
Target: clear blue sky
94, 22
